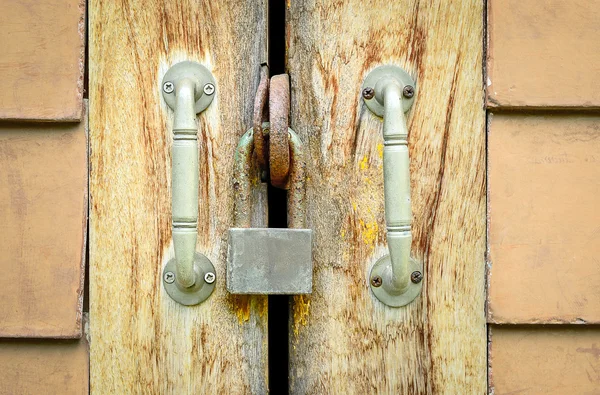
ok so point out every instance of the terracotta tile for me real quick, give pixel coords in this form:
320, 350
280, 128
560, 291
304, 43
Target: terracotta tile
544, 360
44, 366
43, 206
42, 62
543, 53
544, 220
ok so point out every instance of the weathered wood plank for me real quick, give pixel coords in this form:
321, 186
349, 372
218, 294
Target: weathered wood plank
540, 360
43, 206
343, 339
543, 54
44, 366
544, 182
142, 341
43, 56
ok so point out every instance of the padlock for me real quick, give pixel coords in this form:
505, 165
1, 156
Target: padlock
269, 260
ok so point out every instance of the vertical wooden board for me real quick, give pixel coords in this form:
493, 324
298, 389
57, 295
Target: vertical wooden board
544, 360
141, 340
38, 366
544, 182
43, 56
343, 340
43, 206
543, 53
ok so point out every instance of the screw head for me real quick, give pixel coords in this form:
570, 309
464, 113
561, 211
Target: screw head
416, 277
408, 91
210, 278
169, 277
209, 89
376, 281
368, 93
168, 87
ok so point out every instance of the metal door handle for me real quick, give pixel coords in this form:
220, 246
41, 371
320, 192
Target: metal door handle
188, 88
395, 279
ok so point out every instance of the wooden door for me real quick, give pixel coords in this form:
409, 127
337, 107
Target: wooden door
142, 341
341, 338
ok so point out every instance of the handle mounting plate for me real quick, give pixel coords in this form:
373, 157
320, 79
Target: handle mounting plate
198, 292
382, 269
377, 77
191, 70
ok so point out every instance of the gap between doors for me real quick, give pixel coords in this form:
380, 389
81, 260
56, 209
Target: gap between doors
277, 208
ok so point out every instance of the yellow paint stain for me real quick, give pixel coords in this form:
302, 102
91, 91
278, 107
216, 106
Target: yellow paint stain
380, 150
241, 307
263, 306
243, 315
364, 163
301, 310
369, 232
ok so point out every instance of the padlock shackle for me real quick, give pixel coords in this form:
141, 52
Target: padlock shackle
296, 209
242, 187
243, 180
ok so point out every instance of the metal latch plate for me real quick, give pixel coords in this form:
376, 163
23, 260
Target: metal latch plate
269, 261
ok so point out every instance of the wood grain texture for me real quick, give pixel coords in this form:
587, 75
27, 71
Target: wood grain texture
544, 360
544, 182
543, 54
43, 57
43, 206
141, 340
343, 340
44, 366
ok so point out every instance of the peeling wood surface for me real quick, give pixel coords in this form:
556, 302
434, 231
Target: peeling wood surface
43, 207
540, 360
43, 59
543, 54
544, 183
141, 340
36, 366
343, 340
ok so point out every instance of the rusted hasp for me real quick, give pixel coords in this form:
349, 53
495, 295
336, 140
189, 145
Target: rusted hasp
273, 145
